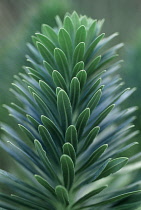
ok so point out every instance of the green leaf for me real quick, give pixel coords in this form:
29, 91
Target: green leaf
44, 158
53, 129
50, 33
59, 80
68, 149
104, 114
27, 132
93, 158
65, 43
33, 121
49, 93
48, 67
79, 66
67, 170
46, 42
78, 53
71, 136
45, 184
114, 166
62, 63
75, 20
68, 25
93, 65
62, 194
44, 110
89, 196
82, 121
74, 92
94, 100
82, 77
114, 199
91, 32
64, 109
49, 143
92, 47
80, 35
90, 138
45, 53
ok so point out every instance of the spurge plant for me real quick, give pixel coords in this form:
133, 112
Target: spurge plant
75, 136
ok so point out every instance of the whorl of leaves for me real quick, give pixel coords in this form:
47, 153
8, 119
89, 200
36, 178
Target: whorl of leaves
75, 135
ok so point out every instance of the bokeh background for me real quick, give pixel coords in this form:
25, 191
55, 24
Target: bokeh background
20, 19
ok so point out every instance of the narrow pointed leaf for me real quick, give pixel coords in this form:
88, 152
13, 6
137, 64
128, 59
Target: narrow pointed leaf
89, 195
69, 150
48, 67
45, 184
93, 157
46, 42
90, 138
80, 35
78, 53
74, 92
71, 136
82, 77
82, 121
44, 158
50, 33
53, 129
59, 80
65, 42
64, 109
114, 199
62, 194
79, 66
93, 65
114, 166
68, 25
94, 100
67, 170
62, 63
49, 143
92, 46
45, 53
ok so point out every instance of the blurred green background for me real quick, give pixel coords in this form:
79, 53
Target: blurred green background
21, 19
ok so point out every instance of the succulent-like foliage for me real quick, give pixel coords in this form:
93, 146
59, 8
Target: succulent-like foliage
75, 134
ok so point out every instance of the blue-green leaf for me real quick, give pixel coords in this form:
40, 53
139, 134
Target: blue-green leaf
82, 77
68, 25
78, 53
90, 138
50, 33
89, 196
79, 66
80, 35
92, 47
71, 136
65, 43
74, 92
45, 53
59, 80
68, 149
62, 63
64, 109
45, 184
62, 194
114, 166
82, 121
67, 170
49, 143
46, 42
93, 158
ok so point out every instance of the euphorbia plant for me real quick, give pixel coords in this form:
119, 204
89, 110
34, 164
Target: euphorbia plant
75, 132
